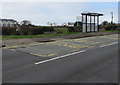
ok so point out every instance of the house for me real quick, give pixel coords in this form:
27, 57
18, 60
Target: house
70, 24
8, 22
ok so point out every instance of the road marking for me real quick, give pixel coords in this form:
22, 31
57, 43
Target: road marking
59, 57
12, 49
108, 44
35, 44
110, 37
42, 55
51, 54
86, 41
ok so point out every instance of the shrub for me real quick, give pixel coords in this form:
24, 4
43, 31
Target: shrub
61, 30
111, 27
78, 28
47, 29
8, 30
26, 30
75, 29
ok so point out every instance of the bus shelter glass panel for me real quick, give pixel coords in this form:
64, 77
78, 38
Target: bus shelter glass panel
88, 24
84, 23
84, 27
92, 23
96, 24
96, 27
84, 19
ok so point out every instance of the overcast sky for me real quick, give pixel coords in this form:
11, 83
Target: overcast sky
40, 13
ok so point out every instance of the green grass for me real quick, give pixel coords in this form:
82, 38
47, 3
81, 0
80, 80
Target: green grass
59, 32
41, 35
110, 31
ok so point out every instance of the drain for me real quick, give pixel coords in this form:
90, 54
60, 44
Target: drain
3, 45
45, 40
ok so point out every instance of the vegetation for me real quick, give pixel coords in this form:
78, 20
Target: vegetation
26, 30
109, 30
109, 26
31, 31
61, 30
75, 29
41, 35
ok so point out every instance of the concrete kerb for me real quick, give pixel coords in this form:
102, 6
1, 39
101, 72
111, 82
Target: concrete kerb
34, 41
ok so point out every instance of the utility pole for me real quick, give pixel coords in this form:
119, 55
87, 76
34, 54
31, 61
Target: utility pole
111, 17
119, 12
77, 19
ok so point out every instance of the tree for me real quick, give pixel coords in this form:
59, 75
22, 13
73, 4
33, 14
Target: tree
105, 23
25, 22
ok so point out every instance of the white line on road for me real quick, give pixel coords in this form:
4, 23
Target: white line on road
59, 57
109, 44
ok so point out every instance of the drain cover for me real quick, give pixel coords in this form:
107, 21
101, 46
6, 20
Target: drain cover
45, 40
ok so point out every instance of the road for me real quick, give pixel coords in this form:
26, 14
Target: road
85, 60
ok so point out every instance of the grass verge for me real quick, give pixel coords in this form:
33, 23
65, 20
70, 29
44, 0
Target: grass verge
110, 31
48, 35
35, 36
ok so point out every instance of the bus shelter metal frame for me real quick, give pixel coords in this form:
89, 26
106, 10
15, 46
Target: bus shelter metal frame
94, 15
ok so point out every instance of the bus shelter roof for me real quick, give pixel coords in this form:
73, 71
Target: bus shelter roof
91, 14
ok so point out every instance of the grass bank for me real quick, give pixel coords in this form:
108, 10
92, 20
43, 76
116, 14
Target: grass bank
110, 31
35, 36
60, 32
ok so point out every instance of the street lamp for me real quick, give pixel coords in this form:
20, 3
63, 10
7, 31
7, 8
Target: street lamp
111, 17
77, 19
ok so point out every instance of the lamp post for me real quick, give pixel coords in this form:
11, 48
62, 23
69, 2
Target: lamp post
111, 17
77, 19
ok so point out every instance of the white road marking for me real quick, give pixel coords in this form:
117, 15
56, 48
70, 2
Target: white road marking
59, 57
108, 44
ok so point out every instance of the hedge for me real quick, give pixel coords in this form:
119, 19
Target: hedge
75, 29
110, 27
26, 30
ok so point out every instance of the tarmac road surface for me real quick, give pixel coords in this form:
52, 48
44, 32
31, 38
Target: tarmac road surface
84, 60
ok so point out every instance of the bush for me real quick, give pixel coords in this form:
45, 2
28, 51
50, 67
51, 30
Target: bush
26, 30
109, 27
71, 29
8, 30
61, 30
75, 29
47, 29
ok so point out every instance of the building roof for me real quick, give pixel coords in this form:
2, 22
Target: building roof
9, 20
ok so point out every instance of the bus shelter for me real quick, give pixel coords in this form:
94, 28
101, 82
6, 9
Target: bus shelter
90, 22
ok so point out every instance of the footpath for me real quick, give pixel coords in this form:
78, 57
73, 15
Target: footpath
16, 42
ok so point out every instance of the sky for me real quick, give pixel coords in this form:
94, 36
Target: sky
39, 13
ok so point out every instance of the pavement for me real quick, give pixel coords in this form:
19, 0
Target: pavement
14, 42
80, 60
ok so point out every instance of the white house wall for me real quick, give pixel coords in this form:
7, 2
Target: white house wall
7, 23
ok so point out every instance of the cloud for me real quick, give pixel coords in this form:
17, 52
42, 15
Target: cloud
40, 12
59, 12
59, 0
